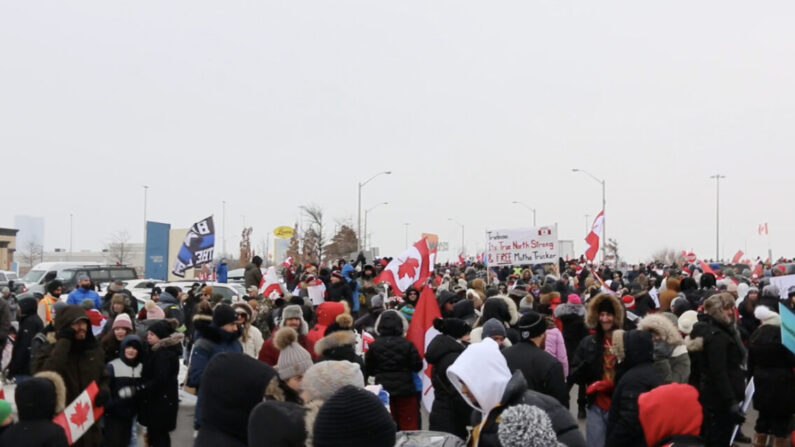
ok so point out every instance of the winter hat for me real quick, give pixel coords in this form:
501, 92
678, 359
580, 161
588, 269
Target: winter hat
531, 325
81, 277
57, 307
629, 301
606, 306
373, 425
223, 314
294, 360
5, 410
526, 426
377, 301
292, 311
687, 320
87, 304
162, 328
323, 379
54, 284
493, 327
153, 311
343, 322
122, 320
767, 316
771, 290
454, 327
245, 307
116, 286
574, 299
118, 298
336, 274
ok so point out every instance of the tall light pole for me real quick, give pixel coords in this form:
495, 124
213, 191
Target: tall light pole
365, 220
717, 178
604, 215
359, 207
462, 233
70, 235
146, 193
516, 202
223, 222
406, 232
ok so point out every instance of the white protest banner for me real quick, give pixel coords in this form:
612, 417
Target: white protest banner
783, 283
519, 246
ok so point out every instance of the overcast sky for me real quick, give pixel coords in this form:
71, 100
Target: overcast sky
471, 104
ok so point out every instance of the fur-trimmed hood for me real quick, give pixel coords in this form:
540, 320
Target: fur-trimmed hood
60, 388
335, 340
662, 326
487, 310
592, 314
714, 305
547, 298
172, 340
566, 309
391, 322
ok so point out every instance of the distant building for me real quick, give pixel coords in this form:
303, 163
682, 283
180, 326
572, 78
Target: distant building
132, 255
31, 230
8, 245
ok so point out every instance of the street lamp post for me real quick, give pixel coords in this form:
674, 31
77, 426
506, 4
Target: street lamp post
717, 178
604, 215
365, 220
223, 222
462, 233
70, 235
359, 208
406, 232
516, 202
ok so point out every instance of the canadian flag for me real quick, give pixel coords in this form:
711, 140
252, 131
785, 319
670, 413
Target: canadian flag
269, 285
287, 263
421, 332
594, 237
412, 267
762, 229
705, 267
461, 259
737, 257
80, 415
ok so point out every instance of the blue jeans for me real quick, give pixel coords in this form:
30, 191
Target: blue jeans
595, 426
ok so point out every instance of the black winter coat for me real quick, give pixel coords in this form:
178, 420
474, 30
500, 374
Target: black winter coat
572, 317
392, 360
771, 365
29, 326
450, 412
277, 424
722, 379
516, 393
588, 364
252, 275
35, 433
160, 395
541, 370
636, 375
339, 292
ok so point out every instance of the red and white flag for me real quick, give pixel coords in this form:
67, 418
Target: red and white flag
421, 332
461, 259
410, 268
593, 239
287, 263
269, 285
80, 415
762, 229
737, 257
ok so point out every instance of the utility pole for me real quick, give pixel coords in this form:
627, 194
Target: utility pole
223, 221
717, 178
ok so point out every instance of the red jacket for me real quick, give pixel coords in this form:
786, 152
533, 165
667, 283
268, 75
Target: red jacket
669, 410
326, 314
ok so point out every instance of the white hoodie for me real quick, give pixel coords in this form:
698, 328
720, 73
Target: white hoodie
485, 372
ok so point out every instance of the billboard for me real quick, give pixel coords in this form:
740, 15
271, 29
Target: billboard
156, 258
522, 246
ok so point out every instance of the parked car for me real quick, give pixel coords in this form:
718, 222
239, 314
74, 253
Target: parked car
9, 278
232, 291
99, 274
35, 278
142, 289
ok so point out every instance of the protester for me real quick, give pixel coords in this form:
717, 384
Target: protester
29, 325
391, 360
373, 426
572, 316
450, 413
292, 317
526, 426
670, 354
504, 310
252, 274
111, 342
293, 362
38, 400
159, 393
116, 306
125, 379
222, 271
670, 415
54, 290
326, 314
635, 374
84, 290
277, 424
771, 365
410, 298
79, 360
542, 372
233, 384
481, 375
339, 342
594, 363
366, 323
251, 337
169, 303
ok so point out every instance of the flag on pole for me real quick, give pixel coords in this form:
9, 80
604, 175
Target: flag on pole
593, 239
705, 267
80, 415
412, 267
421, 332
197, 248
737, 256
269, 284
461, 259
287, 263
762, 229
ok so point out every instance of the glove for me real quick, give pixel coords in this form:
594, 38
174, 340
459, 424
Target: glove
599, 385
127, 392
67, 333
102, 397
736, 415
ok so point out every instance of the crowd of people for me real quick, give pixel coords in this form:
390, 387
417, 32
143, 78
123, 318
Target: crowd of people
659, 355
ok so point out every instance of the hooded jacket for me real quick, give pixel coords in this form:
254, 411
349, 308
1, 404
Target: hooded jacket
636, 375
450, 412
542, 371
124, 373
211, 340
233, 384
572, 317
503, 309
338, 345
772, 365
392, 359
277, 424
269, 353
670, 415
326, 314
29, 325
588, 363
159, 393
252, 275
78, 362
670, 354
38, 400
485, 372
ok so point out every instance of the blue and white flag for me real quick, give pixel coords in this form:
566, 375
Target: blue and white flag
197, 248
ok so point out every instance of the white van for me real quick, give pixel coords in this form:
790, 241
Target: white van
34, 279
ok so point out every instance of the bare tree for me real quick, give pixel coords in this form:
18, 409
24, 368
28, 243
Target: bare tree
310, 247
315, 215
293, 251
343, 244
32, 254
119, 251
245, 246
668, 256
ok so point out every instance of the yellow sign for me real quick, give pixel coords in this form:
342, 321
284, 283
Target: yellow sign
283, 232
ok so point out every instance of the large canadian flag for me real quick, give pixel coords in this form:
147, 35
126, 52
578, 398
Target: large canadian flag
421, 332
410, 268
80, 415
269, 285
594, 238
